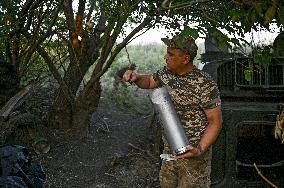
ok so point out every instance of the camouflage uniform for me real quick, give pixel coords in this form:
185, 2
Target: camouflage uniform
191, 93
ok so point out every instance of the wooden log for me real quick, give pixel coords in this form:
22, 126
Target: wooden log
14, 101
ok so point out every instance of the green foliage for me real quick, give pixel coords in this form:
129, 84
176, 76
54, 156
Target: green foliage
36, 72
248, 73
261, 58
32, 18
188, 31
129, 97
236, 17
148, 59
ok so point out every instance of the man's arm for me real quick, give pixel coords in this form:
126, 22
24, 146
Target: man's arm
142, 81
214, 117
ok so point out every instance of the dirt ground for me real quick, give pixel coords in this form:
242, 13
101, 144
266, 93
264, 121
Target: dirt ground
117, 152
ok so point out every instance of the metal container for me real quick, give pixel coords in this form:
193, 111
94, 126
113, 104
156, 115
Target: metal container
173, 129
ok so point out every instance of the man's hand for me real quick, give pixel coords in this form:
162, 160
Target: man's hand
279, 127
192, 152
130, 76
143, 81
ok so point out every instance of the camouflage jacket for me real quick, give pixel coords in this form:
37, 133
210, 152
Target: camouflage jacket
191, 93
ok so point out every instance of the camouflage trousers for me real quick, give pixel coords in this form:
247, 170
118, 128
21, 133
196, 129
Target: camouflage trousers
186, 172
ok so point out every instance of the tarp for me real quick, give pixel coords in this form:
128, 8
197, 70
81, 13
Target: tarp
17, 169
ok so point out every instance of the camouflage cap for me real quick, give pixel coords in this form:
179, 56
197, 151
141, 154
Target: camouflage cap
185, 43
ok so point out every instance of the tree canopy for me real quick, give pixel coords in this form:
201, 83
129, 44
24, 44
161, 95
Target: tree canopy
236, 17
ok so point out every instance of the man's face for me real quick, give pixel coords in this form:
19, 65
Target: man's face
176, 59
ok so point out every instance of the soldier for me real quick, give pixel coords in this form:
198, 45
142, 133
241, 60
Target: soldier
197, 102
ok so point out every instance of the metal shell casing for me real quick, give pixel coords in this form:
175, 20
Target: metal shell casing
173, 129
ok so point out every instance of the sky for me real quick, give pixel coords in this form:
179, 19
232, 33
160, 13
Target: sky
155, 35
151, 36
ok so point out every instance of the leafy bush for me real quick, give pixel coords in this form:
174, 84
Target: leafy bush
148, 59
37, 72
129, 97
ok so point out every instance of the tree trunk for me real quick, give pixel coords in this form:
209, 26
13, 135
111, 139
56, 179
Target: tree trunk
66, 105
60, 115
76, 118
85, 107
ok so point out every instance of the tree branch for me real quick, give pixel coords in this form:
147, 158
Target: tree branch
14, 55
54, 71
81, 8
56, 75
93, 3
96, 75
68, 11
167, 4
120, 46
